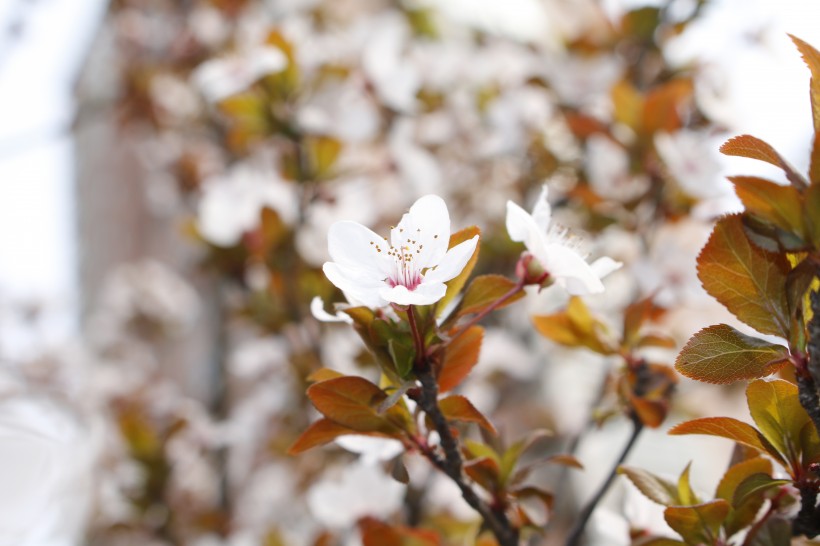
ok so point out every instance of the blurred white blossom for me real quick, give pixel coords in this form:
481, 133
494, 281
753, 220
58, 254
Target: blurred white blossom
222, 77
231, 204
359, 489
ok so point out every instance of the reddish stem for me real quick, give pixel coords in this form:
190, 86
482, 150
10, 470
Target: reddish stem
519, 286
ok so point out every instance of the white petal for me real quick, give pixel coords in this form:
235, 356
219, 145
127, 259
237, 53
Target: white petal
355, 282
520, 225
353, 245
605, 265
569, 269
317, 309
430, 221
453, 262
542, 213
423, 294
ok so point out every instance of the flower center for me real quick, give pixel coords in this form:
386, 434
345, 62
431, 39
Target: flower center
405, 269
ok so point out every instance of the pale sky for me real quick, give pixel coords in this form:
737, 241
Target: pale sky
746, 41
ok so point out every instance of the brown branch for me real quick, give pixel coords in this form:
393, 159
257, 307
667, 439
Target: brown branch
807, 521
452, 463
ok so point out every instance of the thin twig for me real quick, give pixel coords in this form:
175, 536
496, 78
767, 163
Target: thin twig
490, 308
452, 464
578, 529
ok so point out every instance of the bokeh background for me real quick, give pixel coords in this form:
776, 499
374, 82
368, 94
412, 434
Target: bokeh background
168, 173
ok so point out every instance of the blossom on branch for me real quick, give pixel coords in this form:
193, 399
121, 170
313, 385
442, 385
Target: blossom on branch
556, 250
410, 269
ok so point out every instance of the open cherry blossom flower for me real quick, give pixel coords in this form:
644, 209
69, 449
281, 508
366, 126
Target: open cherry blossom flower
410, 269
556, 250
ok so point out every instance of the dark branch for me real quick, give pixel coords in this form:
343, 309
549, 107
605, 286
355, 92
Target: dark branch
578, 529
807, 521
452, 464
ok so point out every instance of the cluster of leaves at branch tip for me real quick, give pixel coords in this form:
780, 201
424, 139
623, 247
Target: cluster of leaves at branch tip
762, 266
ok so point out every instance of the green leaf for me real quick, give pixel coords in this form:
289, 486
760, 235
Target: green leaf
812, 210
742, 514
728, 427
698, 524
353, 403
403, 356
484, 291
458, 408
754, 486
654, 488
686, 495
721, 354
460, 357
747, 280
775, 408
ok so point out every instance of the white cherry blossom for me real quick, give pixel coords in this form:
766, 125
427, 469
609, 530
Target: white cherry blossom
556, 249
409, 269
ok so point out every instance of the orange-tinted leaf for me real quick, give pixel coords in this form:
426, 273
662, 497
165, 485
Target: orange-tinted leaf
461, 356
654, 488
812, 59
775, 408
486, 539
698, 524
455, 285
754, 148
322, 432
353, 401
484, 471
721, 354
574, 327
663, 106
323, 374
546, 498
377, 533
650, 412
628, 104
777, 204
458, 408
657, 340
747, 280
584, 126
322, 153
566, 460
636, 315
486, 290
730, 428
